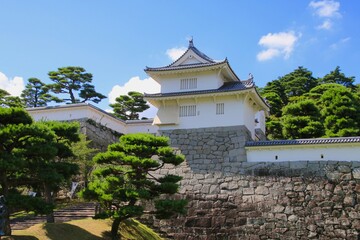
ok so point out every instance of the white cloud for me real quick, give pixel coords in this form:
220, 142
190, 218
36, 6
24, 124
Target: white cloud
326, 8
344, 40
277, 44
175, 53
340, 43
327, 24
13, 86
147, 85
268, 54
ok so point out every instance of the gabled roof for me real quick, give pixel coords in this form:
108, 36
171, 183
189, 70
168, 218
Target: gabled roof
310, 141
193, 58
194, 50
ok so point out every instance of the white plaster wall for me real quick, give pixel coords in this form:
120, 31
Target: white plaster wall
167, 114
260, 116
206, 114
59, 114
330, 152
85, 111
141, 128
249, 116
205, 81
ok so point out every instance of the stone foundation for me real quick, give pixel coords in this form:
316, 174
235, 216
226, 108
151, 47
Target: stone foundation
211, 149
100, 135
230, 198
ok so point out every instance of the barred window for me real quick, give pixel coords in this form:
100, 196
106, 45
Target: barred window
219, 108
187, 111
188, 83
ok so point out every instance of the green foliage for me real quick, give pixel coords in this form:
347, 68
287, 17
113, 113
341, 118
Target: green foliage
36, 94
83, 155
275, 102
17, 201
34, 155
6, 100
338, 77
303, 107
301, 120
341, 112
277, 88
88, 93
70, 80
124, 177
274, 128
298, 82
128, 107
14, 116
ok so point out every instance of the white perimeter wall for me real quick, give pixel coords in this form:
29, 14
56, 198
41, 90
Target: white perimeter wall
141, 127
66, 113
311, 152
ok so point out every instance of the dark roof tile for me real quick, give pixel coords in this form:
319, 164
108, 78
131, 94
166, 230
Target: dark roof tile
303, 141
187, 66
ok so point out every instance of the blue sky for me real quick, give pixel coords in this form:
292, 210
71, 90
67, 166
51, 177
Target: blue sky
115, 40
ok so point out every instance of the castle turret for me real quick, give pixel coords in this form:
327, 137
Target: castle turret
199, 92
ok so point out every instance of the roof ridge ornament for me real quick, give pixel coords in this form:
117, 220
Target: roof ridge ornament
191, 42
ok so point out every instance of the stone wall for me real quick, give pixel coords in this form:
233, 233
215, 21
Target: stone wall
100, 135
230, 198
211, 149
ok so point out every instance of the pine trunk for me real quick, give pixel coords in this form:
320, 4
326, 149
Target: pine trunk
48, 199
4, 184
115, 228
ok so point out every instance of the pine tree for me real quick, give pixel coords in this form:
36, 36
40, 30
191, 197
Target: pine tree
302, 120
128, 107
70, 81
125, 180
36, 94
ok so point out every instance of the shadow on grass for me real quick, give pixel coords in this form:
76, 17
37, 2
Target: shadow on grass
131, 229
20, 238
67, 231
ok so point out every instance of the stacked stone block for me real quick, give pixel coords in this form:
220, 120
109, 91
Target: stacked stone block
230, 198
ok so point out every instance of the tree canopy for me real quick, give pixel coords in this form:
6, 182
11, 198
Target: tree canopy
33, 155
6, 100
302, 120
36, 94
305, 107
125, 179
128, 107
74, 82
336, 76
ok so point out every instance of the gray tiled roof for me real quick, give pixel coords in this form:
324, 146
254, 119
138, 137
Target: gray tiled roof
187, 66
303, 141
226, 87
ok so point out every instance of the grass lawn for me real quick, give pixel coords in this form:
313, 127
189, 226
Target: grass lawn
84, 229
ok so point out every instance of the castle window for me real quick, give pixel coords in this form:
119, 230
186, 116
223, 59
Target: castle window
219, 108
187, 111
188, 83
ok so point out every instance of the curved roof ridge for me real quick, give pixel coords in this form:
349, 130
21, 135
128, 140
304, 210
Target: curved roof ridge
194, 65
